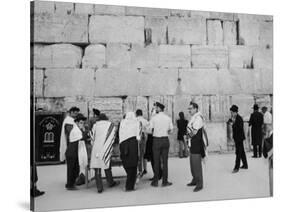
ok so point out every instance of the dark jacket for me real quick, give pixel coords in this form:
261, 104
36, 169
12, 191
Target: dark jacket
129, 152
256, 122
181, 124
238, 129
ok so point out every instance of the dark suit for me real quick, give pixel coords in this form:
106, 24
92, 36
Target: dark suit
256, 122
239, 137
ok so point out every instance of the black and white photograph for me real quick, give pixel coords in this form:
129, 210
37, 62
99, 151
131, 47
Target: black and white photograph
133, 106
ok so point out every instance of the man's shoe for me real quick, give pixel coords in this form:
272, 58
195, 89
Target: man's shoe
100, 191
254, 156
154, 184
191, 184
197, 188
71, 188
244, 167
80, 180
167, 184
235, 171
115, 183
37, 193
150, 179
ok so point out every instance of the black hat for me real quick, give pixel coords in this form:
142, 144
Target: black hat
255, 107
74, 109
102, 116
234, 108
96, 111
80, 117
161, 106
264, 108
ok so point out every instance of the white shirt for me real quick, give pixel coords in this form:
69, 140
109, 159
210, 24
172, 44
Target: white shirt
161, 124
267, 118
196, 121
75, 134
144, 124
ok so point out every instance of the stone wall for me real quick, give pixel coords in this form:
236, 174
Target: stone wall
119, 58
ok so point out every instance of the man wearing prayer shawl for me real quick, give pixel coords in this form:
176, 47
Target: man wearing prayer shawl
71, 154
129, 135
103, 134
195, 132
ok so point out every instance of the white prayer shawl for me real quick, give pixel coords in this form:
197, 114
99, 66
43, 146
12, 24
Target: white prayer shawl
75, 135
129, 127
63, 142
103, 134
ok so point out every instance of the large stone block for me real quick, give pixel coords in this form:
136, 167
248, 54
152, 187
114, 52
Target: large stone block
186, 30
217, 136
209, 57
116, 82
245, 103
263, 58
179, 13
143, 11
44, 7
266, 75
266, 34
69, 82
55, 28
157, 81
172, 56
132, 103
118, 55
123, 29
222, 16
57, 56
38, 82
158, 26
101, 9
228, 83
253, 17
199, 14
229, 33
240, 57
214, 32
142, 57
94, 56
249, 32
64, 8
83, 8
219, 105
199, 81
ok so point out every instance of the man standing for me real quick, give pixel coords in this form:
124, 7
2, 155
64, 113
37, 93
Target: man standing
67, 125
256, 123
162, 126
197, 146
239, 136
267, 119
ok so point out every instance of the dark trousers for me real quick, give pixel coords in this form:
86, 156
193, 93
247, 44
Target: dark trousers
240, 154
257, 150
98, 178
131, 177
196, 169
160, 150
72, 165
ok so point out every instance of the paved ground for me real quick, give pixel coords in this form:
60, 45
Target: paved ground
219, 183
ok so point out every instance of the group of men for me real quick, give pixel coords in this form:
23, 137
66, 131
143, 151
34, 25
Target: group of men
74, 143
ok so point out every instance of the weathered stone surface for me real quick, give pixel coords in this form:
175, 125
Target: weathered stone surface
172, 56
220, 105
57, 56
214, 32
38, 81
199, 14
222, 16
118, 55
240, 57
186, 30
101, 9
83, 8
266, 34
64, 8
179, 13
44, 7
248, 32
158, 26
266, 75
78, 101
209, 57
142, 57
253, 17
123, 29
116, 82
263, 58
229, 33
157, 81
132, 103
94, 56
217, 136
49, 28
228, 83
143, 11
69, 82
199, 81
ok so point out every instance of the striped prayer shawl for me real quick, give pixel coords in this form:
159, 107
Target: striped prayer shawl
108, 144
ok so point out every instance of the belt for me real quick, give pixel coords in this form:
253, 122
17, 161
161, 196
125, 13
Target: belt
163, 137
